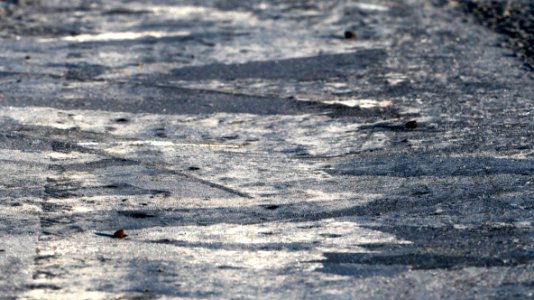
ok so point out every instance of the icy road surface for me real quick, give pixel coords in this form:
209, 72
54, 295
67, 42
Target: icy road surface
250, 151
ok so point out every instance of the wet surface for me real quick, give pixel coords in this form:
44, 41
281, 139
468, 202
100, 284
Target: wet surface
250, 149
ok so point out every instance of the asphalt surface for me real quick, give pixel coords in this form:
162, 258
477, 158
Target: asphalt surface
250, 150
514, 19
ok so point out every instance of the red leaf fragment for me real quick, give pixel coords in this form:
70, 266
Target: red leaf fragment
119, 234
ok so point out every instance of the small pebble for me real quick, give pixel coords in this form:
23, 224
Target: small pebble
411, 124
27, 57
350, 35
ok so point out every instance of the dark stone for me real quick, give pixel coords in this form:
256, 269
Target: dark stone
411, 124
350, 35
